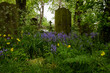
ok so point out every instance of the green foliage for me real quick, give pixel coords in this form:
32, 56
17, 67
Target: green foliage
45, 22
28, 29
72, 60
59, 53
81, 54
9, 1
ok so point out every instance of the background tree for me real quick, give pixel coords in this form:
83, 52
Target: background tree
41, 12
21, 4
104, 26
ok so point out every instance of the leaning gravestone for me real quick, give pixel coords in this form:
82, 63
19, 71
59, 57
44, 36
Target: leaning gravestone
34, 21
8, 18
63, 20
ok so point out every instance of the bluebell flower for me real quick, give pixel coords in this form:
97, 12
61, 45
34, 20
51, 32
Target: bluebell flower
53, 48
8, 38
28, 33
49, 36
60, 36
75, 35
1, 52
93, 34
4, 49
44, 36
64, 37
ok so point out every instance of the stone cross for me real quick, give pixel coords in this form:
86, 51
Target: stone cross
50, 25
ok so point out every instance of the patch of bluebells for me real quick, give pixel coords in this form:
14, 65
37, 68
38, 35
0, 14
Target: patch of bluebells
67, 39
52, 36
49, 37
62, 37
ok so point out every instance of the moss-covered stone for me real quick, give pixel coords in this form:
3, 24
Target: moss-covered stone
63, 20
8, 18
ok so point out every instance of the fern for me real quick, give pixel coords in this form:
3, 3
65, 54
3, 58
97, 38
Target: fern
79, 58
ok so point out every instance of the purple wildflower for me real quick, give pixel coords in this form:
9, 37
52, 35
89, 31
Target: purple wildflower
4, 49
64, 37
75, 35
1, 52
8, 38
93, 34
53, 48
49, 36
44, 35
28, 33
60, 35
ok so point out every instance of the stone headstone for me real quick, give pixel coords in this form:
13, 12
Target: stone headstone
8, 18
63, 20
34, 21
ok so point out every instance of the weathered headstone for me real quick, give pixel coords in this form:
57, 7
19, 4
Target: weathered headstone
34, 21
63, 20
8, 18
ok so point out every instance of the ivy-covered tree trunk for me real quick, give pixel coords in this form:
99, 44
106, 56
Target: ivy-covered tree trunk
107, 10
77, 18
21, 4
105, 27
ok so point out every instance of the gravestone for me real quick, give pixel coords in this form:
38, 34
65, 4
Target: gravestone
8, 18
34, 21
63, 20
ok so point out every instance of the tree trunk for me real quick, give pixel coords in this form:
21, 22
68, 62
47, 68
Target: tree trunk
105, 29
77, 18
41, 13
21, 4
60, 3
